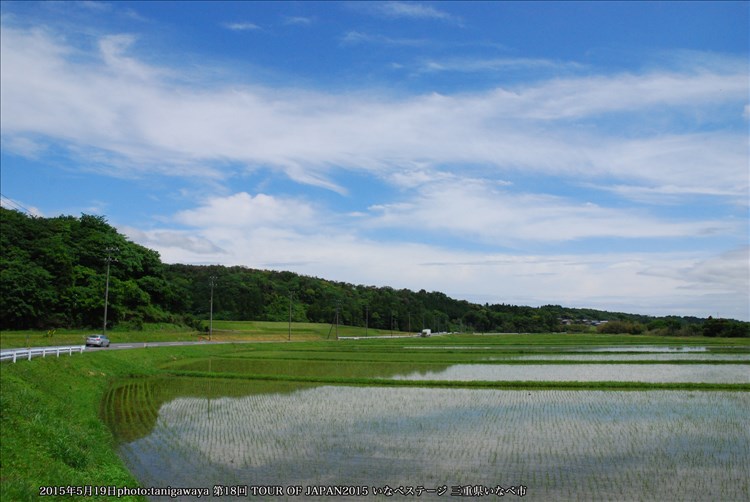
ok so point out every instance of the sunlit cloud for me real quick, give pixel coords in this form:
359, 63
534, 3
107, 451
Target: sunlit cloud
358, 37
472, 172
241, 26
171, 239
134, 111
412, 10
647, 282
472, 209
15, 205
299, 20
243, 210
475, 65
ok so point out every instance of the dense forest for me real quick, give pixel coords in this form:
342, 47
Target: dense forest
54, 273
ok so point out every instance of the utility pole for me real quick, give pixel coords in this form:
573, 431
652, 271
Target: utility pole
212, 282
338, 305
336, 322
290, 315
109, 260
367, 318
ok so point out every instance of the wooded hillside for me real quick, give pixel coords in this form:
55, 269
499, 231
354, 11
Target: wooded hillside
54, 271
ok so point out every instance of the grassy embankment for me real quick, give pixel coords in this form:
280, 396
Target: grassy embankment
50, 427
50, 424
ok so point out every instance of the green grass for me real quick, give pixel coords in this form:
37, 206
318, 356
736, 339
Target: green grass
230, 331
279, 331
50, 409
235, 331
151, 333
500, 385
49, 422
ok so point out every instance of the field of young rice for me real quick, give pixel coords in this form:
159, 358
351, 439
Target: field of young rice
716, 371
672, 373
482, 411
561, 445
665, 357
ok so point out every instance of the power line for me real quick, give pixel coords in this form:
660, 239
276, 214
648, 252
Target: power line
7, 201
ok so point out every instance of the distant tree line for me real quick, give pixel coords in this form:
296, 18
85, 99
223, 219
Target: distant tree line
53, 274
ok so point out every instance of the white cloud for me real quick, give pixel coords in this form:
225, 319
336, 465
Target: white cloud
727, 272
23, 146
15, 205
242, 210
592, 95
113, 50
357, 37
174, 240
474, 65
154, 119
412, 10
269, 232
110, 111
241, 26
477, 210
299, 20
95, 5
651, 283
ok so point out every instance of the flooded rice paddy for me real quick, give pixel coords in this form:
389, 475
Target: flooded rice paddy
652, 373
561, 445
666, 357
622, 372
620, 348
557, 444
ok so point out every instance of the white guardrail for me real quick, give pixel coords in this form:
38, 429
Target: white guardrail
15, 354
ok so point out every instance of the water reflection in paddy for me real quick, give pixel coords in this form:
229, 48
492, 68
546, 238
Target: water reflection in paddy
562, 445
647, 348
625, 357
667, 373
496, 371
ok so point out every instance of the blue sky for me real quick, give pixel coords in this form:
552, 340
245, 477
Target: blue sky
588, 154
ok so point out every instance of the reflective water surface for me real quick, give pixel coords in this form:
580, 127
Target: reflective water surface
667, 373
561, 445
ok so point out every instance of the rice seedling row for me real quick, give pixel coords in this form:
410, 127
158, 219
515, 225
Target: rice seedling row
738, 372
584, 445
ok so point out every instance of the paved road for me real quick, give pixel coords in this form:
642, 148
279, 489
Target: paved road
7, 355
140, 345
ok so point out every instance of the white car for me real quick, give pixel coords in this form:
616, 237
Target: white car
98, 340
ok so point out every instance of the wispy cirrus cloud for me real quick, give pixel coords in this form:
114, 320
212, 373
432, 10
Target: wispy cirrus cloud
358, 37
299, 20
171, 240
533, 179
411, 10
241, 26
500, 215
242, 228
115, 107
727, 271
476, 65
15, 205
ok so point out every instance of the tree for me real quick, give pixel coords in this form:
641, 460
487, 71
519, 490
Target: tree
27, 296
